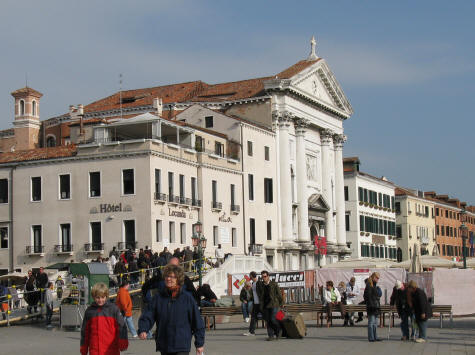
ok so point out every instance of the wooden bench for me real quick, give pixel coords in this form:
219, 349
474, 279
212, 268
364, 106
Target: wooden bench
211, 312
441, 310
321, 310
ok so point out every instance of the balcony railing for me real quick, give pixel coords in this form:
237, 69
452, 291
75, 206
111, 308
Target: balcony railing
158, 196
35, 249
185, 201
216, 205
174, 199
94, 247
195, 202
235, 209
65, 248
255, 249
127, 245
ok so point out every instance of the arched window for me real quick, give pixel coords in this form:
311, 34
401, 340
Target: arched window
33, 108
22, 107
51, 141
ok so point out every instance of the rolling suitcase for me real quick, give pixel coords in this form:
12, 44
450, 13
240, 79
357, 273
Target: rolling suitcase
294, 326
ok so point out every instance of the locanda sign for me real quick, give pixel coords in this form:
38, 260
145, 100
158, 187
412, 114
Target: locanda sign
175, 213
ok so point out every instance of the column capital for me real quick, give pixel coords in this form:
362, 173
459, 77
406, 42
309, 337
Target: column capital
301, 125
326, 136
282, 118
339, 140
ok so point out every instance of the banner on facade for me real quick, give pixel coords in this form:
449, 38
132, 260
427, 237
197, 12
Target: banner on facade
283, 279
224, 236
320, 245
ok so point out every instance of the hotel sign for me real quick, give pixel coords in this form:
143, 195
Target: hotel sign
110, 207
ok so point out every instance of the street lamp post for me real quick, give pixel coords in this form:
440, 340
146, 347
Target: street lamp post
199, 241
463, 231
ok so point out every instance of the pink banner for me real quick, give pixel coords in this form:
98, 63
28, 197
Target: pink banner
387, 279
455, 287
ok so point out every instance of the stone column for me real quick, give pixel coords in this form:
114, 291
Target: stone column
339, 140
326, 139
303, 230
284, 119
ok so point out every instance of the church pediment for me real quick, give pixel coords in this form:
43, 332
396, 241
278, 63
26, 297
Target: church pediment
318, 203
318, 84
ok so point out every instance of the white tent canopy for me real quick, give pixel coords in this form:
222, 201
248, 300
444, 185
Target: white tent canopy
427, 261
359, 263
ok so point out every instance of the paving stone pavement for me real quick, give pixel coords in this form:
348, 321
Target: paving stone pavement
33, 338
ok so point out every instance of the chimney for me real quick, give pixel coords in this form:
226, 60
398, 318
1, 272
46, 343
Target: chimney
171, 110
158, 104
80, 109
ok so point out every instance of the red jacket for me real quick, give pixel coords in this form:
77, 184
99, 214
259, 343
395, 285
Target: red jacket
124, 302
103, 330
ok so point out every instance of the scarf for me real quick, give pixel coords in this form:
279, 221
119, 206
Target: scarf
173, 291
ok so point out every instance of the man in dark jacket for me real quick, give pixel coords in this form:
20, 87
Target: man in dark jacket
371, 298
399, 299
421, 308
31, 295
270, 300
42, 284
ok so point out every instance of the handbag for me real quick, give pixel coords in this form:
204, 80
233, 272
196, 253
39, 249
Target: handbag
280, 315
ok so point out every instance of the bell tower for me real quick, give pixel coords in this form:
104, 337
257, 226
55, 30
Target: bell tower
27, 118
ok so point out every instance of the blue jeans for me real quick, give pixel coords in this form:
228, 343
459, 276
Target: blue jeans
372, 326
422, 325
273, 327
405, 324
130, 325
246, 309
205, 303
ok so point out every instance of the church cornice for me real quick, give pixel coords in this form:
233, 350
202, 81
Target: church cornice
284, 85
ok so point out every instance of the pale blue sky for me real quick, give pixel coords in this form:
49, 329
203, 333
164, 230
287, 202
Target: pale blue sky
407, 67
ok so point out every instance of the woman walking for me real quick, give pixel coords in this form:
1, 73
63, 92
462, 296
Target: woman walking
176, 314
372, 305
246, 298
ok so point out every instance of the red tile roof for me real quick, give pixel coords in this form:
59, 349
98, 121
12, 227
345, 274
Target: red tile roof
144, 97
399, 191
26, 91
296, 68
195, 91
38, 154
232, 91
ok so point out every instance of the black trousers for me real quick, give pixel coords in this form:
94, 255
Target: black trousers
254, 313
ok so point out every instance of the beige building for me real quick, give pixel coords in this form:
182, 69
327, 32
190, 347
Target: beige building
121, 189
415, 223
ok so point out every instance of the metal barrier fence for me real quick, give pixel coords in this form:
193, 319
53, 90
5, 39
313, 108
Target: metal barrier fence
301, 295
12, 305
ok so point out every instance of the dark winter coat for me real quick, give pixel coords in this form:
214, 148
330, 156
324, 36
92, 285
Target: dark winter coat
399, 299
246, 295
421, 305
206, 293
103, 330
31, 296
274, 300
177, 321
371, 299
42, 280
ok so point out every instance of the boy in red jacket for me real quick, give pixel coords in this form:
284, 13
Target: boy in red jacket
103, 329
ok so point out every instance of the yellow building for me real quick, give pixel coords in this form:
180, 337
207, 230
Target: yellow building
415, 223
